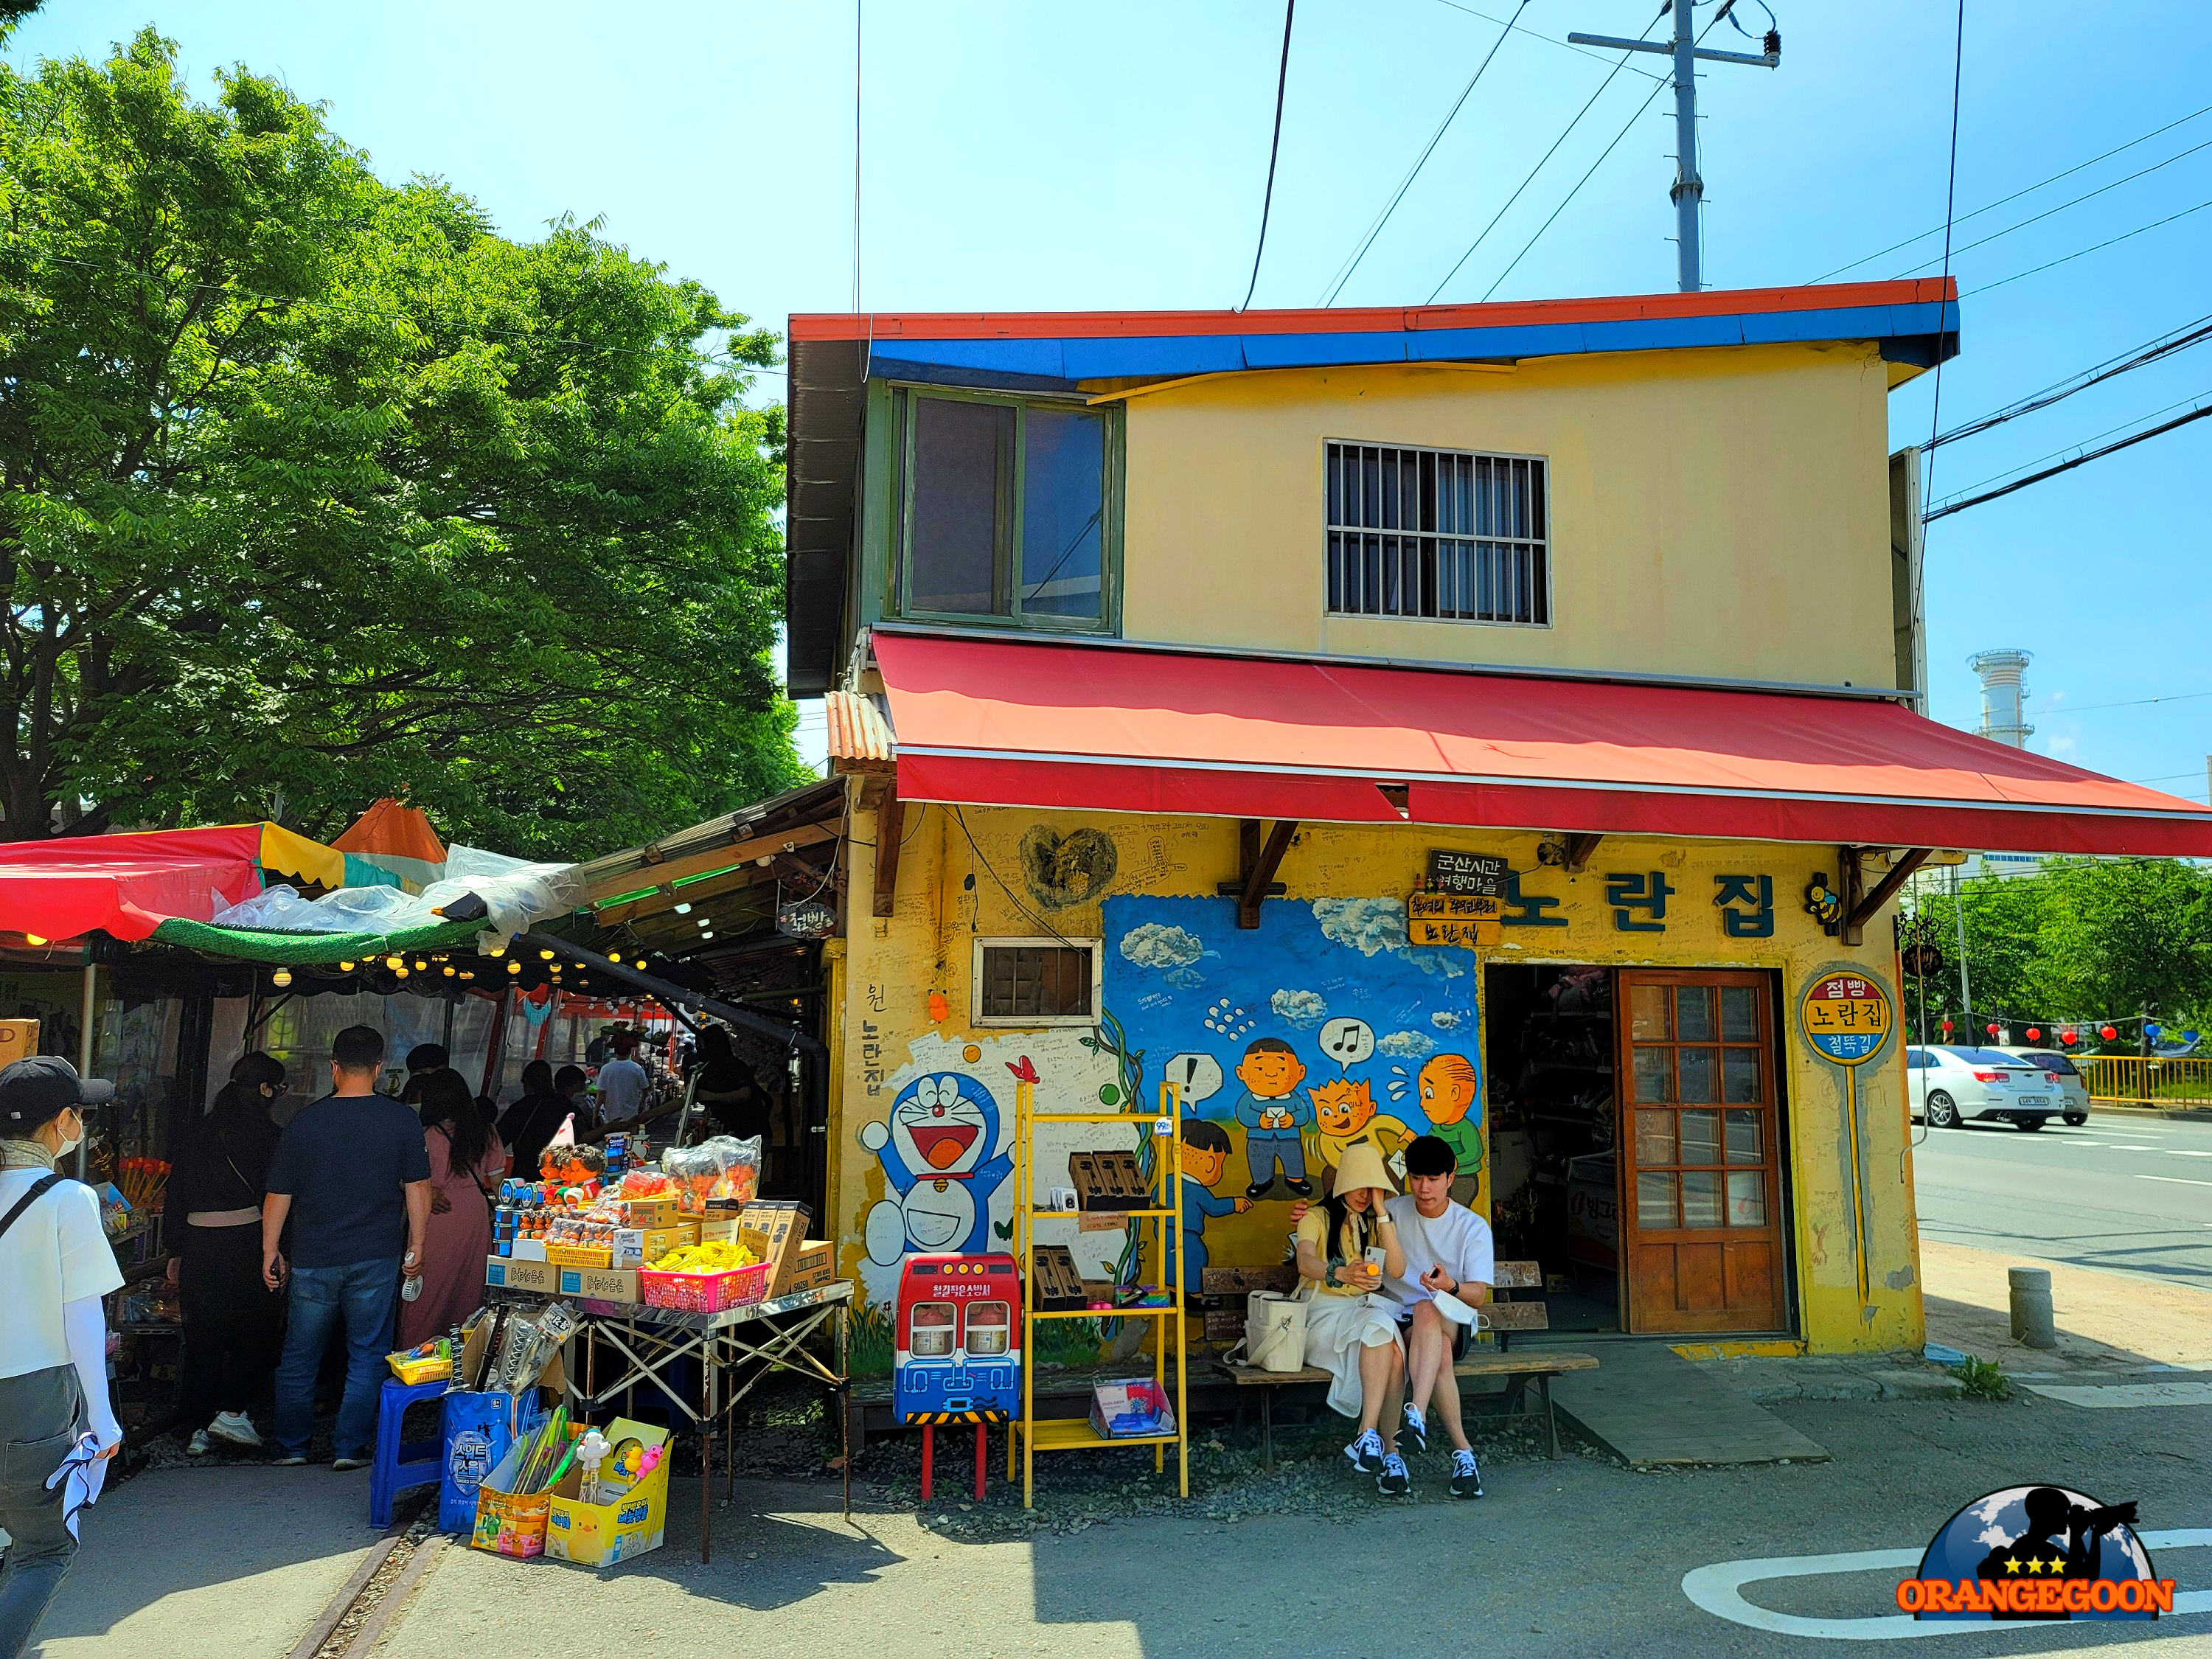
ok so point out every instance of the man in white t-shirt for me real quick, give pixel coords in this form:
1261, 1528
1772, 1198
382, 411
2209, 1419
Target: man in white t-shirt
621, 1083
1448, 1254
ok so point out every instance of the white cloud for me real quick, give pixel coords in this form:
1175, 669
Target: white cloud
1444, 1020
1300, 1009
1404, 1045
1157, 945
1373, 926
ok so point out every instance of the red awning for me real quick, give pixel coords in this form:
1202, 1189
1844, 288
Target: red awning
1104, 729
127, 884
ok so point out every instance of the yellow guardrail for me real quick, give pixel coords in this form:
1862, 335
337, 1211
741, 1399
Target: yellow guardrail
2130, 1078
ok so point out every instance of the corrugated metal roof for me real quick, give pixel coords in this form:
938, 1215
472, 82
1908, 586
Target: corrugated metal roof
859, 737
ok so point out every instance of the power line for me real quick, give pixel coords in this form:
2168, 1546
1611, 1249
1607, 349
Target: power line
1548, 40
2027, 190
1539, 168
1950, 203
2132, 702
1949, 508
2095, 248
2068, 449
1274, 145
2087, 196
2179, 339
1406, 184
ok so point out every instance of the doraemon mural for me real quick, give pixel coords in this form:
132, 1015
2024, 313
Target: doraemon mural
941, 1157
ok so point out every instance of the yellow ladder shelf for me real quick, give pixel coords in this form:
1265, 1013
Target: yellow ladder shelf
1168, 1331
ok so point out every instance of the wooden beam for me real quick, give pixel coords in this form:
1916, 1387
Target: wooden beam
1579, 849
670, 870
1259, 877
1870, 906
1849, 885
891, 818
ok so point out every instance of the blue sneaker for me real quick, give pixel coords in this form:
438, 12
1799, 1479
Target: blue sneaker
1366, 1453
1467, 1476
1414, 1428
1394, 1481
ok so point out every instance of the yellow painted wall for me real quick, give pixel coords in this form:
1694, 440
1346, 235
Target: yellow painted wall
960, 877
1720, 513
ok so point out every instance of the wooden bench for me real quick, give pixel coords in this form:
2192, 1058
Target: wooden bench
1500, 1315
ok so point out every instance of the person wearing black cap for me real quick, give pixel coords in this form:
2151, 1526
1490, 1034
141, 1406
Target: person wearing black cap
56, 1264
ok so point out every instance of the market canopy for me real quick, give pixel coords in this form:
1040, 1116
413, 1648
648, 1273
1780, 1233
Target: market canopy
1127, 729
127, 884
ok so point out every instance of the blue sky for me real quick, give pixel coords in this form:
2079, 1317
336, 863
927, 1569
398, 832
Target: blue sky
1057, 156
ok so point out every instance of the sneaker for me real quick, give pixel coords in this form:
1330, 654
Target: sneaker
289, 1463
1467, 1477
1366, 1453
235, 1427
1394, 1481
1415, 1428
197, 1445
344, 1465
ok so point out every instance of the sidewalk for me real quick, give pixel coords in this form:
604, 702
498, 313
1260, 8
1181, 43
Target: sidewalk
2106, 1321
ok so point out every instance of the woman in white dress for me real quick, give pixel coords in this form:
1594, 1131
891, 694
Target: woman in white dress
1352, 1328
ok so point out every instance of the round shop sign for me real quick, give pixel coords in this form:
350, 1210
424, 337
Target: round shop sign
1846, 1017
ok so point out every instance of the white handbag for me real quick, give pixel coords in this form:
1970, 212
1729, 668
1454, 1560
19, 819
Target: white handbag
1274, 1332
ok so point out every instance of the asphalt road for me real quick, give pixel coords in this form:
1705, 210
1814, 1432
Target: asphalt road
2124, 1193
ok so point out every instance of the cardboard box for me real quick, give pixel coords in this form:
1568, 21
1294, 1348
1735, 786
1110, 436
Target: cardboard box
510, 1522
600, 1535
527, 1250
720, 1227
637, 1246
774, 1229
515, 1274
19, 1039
646, 1213
1058, 1285
1107, 1180
816, 1265
600, 1284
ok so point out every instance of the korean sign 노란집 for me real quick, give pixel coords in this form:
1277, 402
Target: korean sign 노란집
1463, 919
1846, 1017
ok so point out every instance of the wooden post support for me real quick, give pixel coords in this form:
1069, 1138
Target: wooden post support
889, 822
1859, 911
1579, 849
1256, 879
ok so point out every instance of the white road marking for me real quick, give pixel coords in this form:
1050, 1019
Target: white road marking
1718, 1589
2177, 1180
2116, 1395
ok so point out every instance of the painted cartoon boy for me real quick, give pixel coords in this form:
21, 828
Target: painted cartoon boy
1274, 1116
1202, 1156
1450, 1086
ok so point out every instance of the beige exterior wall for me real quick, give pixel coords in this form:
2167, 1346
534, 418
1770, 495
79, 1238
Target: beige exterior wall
1718, 513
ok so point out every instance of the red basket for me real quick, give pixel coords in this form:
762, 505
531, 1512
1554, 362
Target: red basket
706, 1292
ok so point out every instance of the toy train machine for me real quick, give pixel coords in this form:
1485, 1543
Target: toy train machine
958, 1353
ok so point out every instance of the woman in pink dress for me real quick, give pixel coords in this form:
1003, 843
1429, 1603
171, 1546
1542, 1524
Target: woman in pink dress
466, 1165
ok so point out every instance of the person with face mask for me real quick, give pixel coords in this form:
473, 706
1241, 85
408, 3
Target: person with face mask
56, 1263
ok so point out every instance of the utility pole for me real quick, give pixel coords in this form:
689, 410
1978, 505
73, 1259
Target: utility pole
1689, 191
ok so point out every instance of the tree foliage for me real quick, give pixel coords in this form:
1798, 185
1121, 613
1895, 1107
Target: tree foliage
2082, 939
313, 489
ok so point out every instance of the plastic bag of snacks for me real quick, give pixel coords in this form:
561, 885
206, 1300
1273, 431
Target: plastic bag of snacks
723, 1167
646, 1183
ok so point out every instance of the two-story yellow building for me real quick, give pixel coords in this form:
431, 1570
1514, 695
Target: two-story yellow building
1490, 721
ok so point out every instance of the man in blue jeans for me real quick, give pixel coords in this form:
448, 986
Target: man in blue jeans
352, 1176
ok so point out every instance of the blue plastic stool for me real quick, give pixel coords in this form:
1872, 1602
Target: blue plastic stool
397, 1466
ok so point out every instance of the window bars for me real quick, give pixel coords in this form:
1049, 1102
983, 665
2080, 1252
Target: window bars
1438, 533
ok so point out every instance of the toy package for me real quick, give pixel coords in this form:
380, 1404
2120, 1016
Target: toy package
722, 1167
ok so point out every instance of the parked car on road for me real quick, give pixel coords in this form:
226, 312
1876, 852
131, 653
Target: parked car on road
2073, 1087
1952, 1087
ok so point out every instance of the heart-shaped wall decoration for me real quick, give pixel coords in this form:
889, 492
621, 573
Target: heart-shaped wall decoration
1063, 870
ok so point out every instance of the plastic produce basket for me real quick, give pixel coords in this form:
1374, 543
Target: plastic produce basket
739, 1287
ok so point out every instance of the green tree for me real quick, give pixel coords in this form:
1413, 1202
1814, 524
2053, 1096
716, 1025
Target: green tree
313, 489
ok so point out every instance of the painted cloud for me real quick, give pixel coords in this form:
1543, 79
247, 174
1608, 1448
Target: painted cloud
1404, 1045
1373, 925
1300, 1009
1159, 945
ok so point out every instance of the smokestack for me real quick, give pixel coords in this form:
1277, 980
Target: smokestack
2003, 672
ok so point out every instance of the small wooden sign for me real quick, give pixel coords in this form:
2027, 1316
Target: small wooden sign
1466, 920
1477, 873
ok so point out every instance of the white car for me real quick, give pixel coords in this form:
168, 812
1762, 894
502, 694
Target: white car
2073, 1087
1952, 1087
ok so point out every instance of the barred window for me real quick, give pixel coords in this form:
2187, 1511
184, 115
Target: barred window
1036, 981
1437, 532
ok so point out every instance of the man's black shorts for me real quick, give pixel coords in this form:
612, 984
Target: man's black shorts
1462, 1336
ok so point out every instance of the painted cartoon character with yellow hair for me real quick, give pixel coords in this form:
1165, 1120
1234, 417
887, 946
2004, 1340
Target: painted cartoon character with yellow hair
1343, 1112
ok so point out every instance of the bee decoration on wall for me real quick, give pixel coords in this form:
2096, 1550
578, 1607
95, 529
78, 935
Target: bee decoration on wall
1824, 903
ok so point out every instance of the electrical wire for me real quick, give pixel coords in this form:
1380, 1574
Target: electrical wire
1405, 183
2025, 190
1274, 147
2132, 702
1564, 134
2096, 247
961, 818
1918, 608
1548, 40
2179, 339
2068, 449
1960, 506
1657, 89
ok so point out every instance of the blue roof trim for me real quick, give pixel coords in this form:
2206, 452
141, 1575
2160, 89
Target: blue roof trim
1909, 332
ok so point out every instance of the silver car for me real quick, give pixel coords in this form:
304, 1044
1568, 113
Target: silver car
1953, 1086
2073, 1087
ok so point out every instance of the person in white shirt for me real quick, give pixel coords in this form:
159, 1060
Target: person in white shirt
621, 1083
56, 1263
1448, 1252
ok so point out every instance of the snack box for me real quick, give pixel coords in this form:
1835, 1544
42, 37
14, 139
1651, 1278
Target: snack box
600, 1284
646, 1213
514, 1274
774, 1229
634, 1246
580, 1256
630, 1523
1138, 1407
816, 1265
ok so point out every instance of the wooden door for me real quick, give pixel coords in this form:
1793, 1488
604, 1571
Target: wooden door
1701, 1198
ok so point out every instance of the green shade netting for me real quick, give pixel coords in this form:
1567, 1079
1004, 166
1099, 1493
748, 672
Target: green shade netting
310, 949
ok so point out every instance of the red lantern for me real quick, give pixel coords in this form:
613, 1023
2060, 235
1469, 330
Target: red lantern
1947, 1028
2109, 1032
1991, 1029
2069, 1036
2034, 1034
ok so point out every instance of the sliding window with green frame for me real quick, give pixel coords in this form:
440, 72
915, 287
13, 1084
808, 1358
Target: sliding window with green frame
1007, 510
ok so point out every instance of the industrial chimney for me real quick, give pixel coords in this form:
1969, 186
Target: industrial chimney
2001, 673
